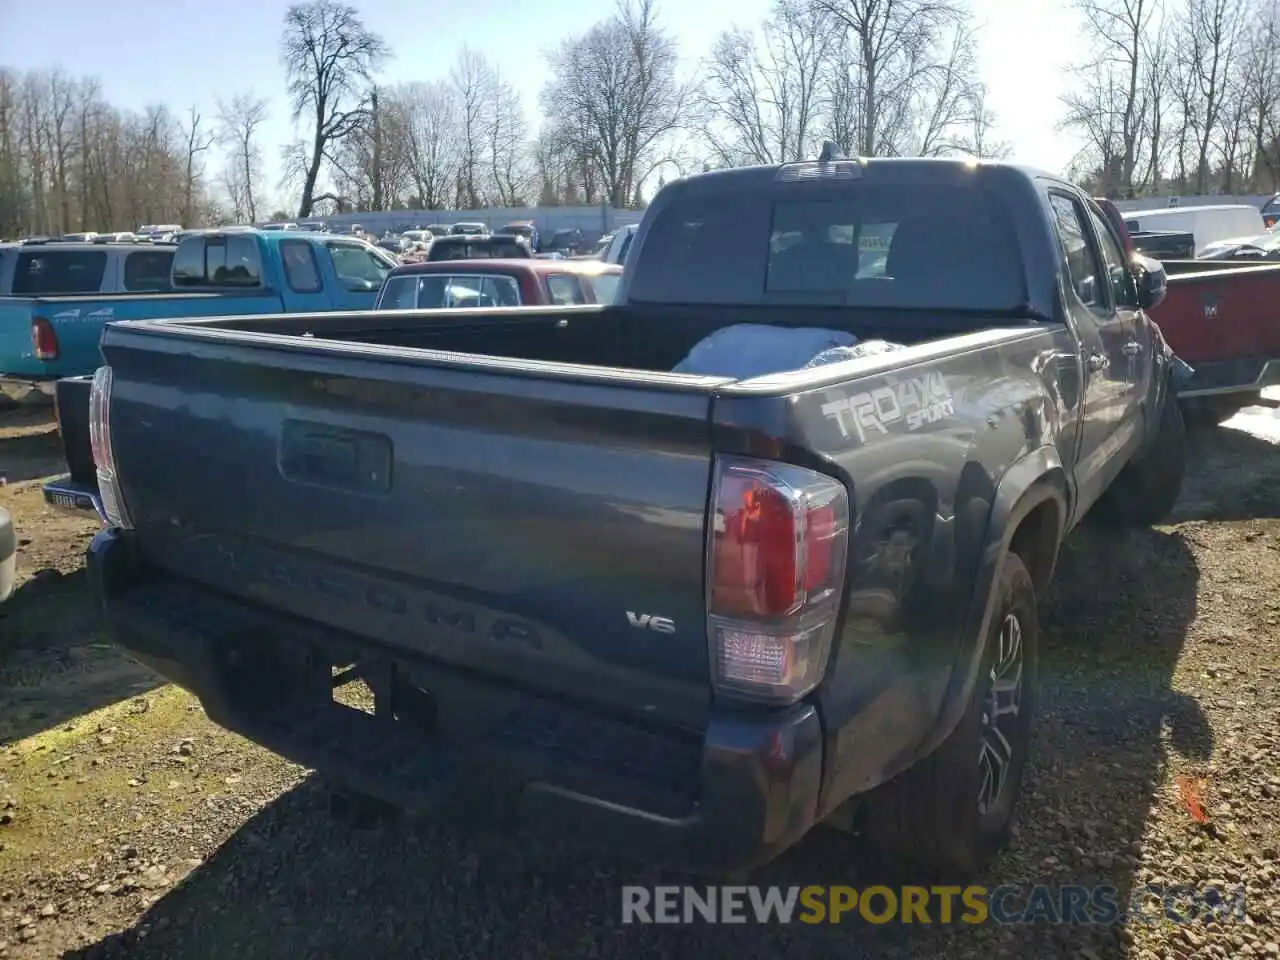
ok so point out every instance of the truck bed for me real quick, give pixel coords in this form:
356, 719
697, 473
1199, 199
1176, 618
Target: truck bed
652, 338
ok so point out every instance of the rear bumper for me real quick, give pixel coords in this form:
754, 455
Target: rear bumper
732, 799
72, 496
27, 389
1220, 377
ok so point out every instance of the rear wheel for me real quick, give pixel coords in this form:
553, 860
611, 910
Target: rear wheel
1147, 489
951, 812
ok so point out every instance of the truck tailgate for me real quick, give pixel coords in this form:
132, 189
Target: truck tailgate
17, 354
1222, 314
531, 529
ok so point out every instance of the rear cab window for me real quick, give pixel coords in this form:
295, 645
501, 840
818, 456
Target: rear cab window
147, 270
434, 291
218, 261
874, 244
39, 273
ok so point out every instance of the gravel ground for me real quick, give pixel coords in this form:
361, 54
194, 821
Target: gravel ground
130, 826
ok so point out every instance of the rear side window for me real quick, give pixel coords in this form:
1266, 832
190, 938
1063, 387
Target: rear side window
399, 293
231, 261
869, 245
300, 267
148, 270
1123, 291
1082, 262
51, 272
606, 287
564, 290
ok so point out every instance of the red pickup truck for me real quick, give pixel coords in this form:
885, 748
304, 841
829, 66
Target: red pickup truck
498, 283
1223, 318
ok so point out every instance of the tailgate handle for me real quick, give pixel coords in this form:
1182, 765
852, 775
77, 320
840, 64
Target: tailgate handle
321, 455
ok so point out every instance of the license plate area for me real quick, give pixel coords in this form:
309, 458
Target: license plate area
420, 729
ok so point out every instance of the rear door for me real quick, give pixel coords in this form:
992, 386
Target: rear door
1136, 345
1107, 431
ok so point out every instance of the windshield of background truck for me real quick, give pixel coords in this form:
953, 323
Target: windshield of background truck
883, 245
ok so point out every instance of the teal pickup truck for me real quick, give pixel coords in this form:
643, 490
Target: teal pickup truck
214, 273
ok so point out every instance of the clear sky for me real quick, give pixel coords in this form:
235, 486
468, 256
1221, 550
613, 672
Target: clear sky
185, 52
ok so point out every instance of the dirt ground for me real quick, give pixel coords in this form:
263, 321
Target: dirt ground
130, 826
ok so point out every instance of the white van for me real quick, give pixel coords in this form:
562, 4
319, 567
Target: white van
1209, 224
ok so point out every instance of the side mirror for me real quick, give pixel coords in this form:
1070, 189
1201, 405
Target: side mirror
1152, 281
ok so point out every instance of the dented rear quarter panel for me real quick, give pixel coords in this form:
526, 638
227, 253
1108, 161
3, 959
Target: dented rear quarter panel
922, 439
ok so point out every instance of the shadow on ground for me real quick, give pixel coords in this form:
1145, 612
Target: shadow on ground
31, 447
54, 662
1232, 475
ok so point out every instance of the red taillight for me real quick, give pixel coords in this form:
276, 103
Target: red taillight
776, 571
44, 339
755, 553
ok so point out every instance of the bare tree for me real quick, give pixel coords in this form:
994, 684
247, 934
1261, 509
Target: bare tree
763, 98
1259, 92
905, 76
474, 81
329, 57
615, 96
508, 140
198, 141
238, 125
433, 141
374, 163
1112, 107
1207, 50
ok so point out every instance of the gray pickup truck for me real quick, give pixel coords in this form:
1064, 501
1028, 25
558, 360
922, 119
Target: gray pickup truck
688, 615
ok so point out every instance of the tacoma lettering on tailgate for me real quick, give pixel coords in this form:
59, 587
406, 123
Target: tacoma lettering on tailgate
915, 401
457, 617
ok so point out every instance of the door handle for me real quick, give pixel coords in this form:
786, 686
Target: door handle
1097, 362
1132, 348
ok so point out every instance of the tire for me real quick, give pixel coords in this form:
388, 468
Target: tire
1147, 489
938, 816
